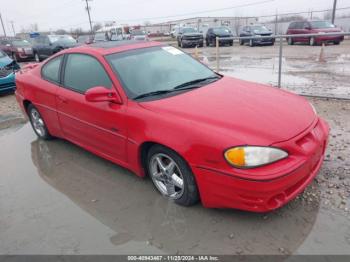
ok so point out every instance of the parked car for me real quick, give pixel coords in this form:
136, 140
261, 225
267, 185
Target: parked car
101, 37
221, 32
45, 46
313, 27
139, 35
85, 39
7, 73
256, 30
17, 49
189, 37
159, 112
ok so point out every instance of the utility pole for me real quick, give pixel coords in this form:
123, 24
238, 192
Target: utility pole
13, 28
3, 26
88, 11
334, 8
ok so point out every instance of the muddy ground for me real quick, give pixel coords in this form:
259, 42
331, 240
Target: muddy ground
56, 198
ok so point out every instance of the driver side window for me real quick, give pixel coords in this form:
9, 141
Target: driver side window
83, 72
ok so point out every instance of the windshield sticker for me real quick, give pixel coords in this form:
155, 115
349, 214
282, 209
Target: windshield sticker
172, 50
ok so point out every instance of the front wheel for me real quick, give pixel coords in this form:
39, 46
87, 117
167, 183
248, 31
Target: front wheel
172, 176
38, 123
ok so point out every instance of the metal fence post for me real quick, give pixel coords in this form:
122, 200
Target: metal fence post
280, 63
217, 54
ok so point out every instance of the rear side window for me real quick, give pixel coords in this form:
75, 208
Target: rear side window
51, 70
83, 72
292, 26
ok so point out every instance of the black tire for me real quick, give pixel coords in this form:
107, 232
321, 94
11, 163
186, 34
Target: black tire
190, 195
207, 42
241, 41
336, 42
45, 135
251, 43
231, 43
201, 44
290, 41
14, 57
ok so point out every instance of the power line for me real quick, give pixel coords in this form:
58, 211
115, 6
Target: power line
201, 12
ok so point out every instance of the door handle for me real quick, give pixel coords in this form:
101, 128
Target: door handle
63, 99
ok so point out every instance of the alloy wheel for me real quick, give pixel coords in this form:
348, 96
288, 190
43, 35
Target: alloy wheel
166, 176
38, 122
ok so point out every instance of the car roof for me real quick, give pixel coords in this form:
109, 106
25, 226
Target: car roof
111, 47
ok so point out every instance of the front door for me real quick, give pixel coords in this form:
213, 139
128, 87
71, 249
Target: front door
97, 126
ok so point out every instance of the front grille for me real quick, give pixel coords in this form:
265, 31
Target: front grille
192, 37
5, 72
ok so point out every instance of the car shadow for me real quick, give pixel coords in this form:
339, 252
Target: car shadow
135, 210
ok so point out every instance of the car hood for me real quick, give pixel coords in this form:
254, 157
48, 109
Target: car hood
263, 33
235, 106
4, 61
192, 34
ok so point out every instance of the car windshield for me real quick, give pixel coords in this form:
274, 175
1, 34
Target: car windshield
221, 30
62, 38
138, 32
321, 24
155, 69
19, 43
259, 28
188, 30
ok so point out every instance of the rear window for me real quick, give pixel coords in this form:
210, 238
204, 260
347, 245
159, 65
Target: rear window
51, 70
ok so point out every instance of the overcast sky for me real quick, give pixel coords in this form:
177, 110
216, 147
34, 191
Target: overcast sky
66, 14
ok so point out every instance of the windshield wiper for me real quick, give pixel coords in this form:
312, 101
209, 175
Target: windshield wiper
184, 86
196, 81
154, 93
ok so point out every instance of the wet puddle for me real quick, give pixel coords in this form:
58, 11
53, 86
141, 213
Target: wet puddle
56, 198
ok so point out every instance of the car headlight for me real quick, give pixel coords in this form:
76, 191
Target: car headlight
253, 156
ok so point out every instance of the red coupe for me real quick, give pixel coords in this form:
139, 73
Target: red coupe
157, 111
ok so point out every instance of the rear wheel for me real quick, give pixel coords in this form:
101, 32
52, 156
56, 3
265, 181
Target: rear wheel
336, 42
172, 176
38, 123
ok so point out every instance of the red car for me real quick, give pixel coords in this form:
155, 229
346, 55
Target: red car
157, 111
314, 27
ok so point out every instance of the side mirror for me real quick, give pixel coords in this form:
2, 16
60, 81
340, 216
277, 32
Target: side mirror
102, 94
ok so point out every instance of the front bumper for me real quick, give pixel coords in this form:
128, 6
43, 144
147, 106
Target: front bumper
264, 41
7, 84
228, 190
192, 42
329, 38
